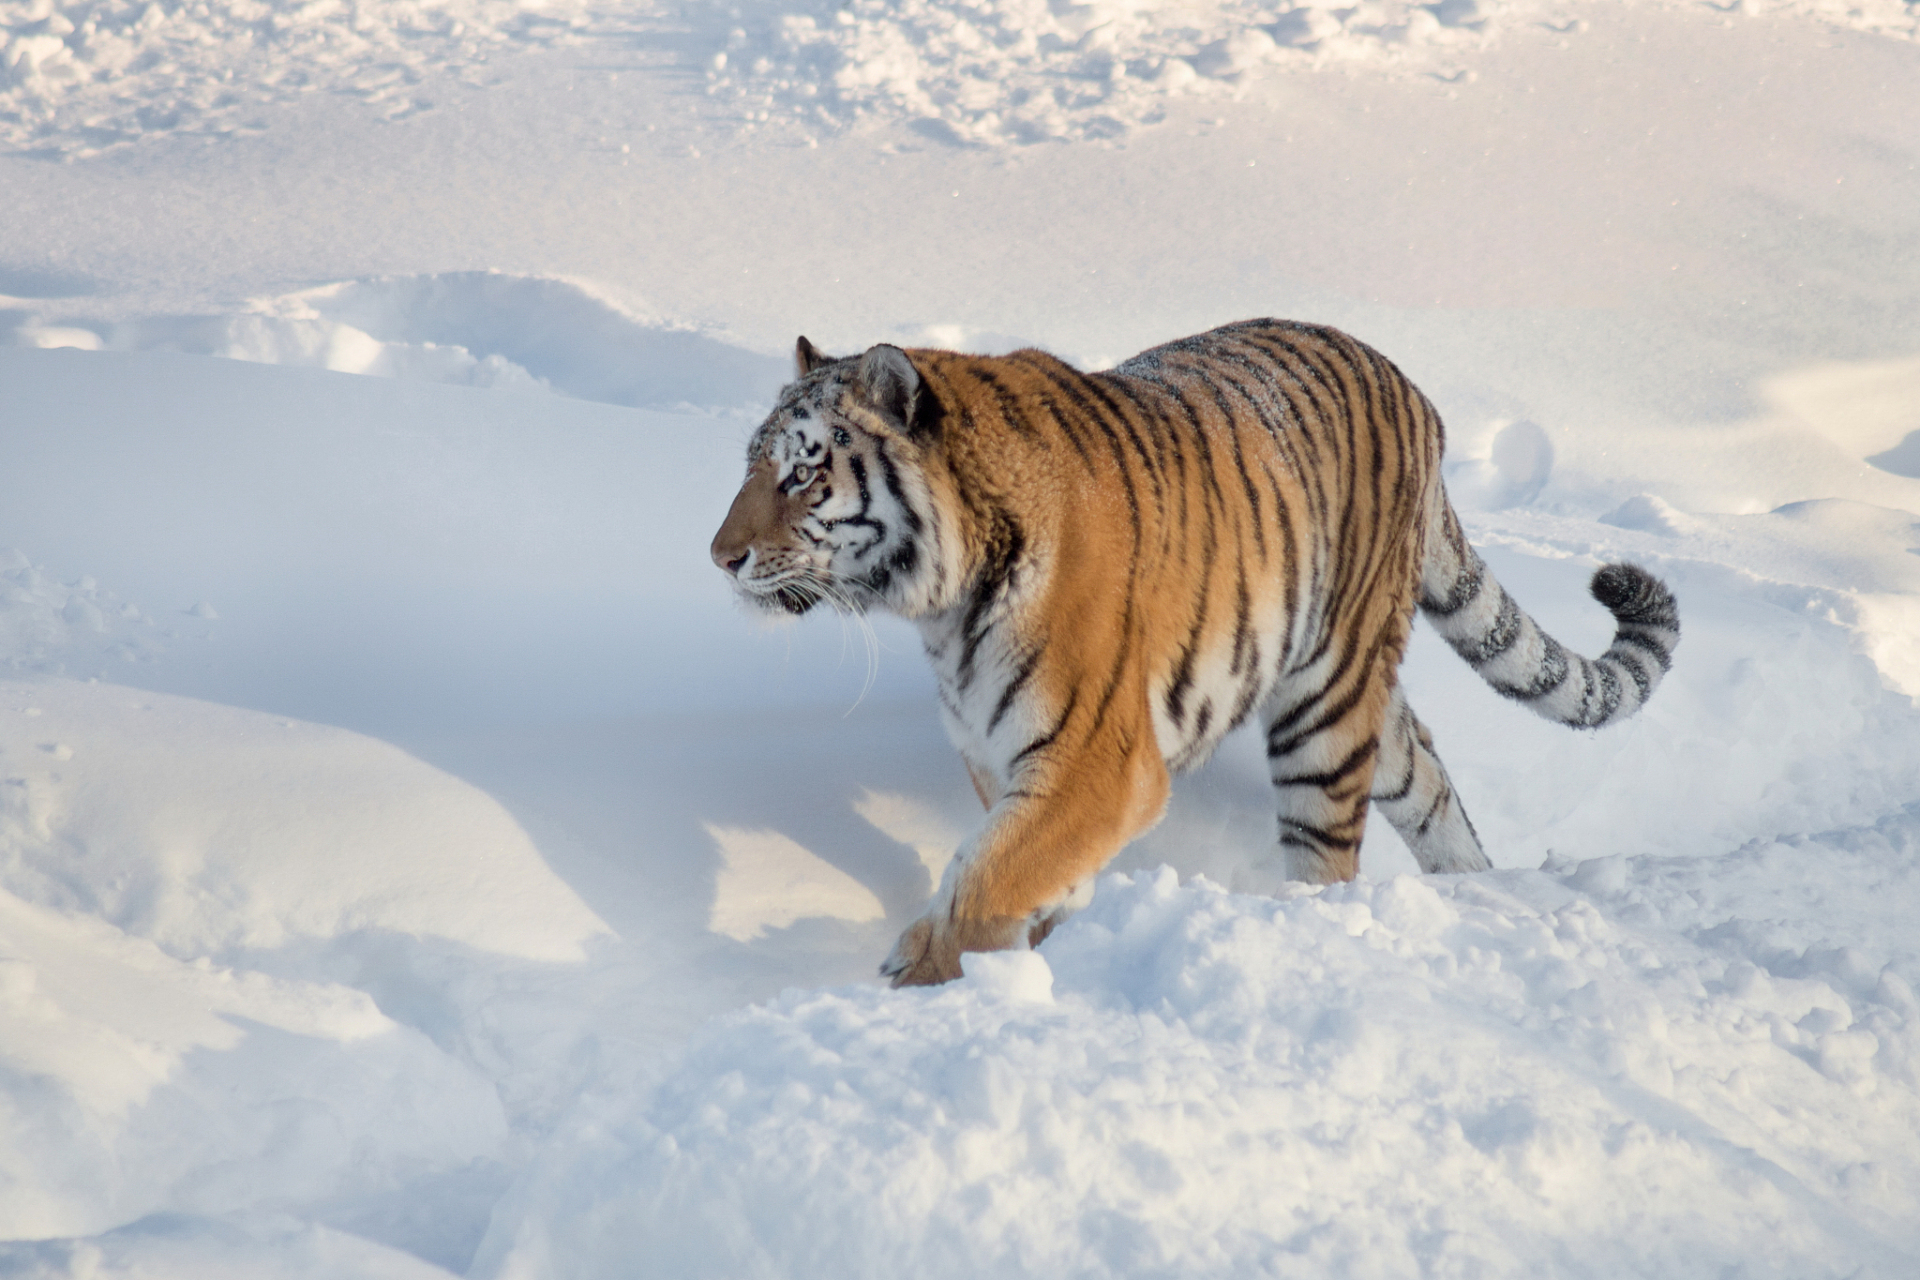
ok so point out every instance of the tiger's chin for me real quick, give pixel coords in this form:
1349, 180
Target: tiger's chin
781, 602
787, 599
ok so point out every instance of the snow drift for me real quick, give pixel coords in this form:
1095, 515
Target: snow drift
1600, 1069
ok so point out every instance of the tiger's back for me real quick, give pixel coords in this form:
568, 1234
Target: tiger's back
1110, 571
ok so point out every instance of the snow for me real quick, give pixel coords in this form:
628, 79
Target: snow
1596, 1069
139, 1084
87, 76
210, 831
412, 863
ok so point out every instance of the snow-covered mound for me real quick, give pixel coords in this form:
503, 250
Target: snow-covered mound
1662, 1067
181, 1247
465, 328
179, 885
133, 1083
212, 831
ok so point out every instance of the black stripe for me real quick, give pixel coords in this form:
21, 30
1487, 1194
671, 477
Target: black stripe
1047, 739
1649, 645
1242, 618
1278, 746
1355, 760
1081, 392
1010, 408
1006, 544
1555, 665
1021, 675
1317, 837
890, 474
1433, 811
1501, 636
1119, 669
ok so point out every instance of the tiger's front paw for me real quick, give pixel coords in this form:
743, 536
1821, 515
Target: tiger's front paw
928, 953
923, 957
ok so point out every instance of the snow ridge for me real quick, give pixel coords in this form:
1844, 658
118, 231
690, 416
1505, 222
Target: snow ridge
464, 328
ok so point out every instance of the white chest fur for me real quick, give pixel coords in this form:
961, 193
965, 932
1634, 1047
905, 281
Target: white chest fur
987, 694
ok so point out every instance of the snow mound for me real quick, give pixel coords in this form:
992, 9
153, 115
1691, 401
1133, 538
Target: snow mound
1617, 1067
212, 831
134, 1083
466, 328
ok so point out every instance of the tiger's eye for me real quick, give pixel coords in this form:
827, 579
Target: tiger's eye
802, 475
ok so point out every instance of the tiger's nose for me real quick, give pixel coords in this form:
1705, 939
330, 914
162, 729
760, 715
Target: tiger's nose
729, 557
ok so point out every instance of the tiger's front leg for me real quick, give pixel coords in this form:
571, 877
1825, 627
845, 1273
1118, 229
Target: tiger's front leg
1047, 835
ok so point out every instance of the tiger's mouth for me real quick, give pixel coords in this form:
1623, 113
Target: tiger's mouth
793, 599
792, 596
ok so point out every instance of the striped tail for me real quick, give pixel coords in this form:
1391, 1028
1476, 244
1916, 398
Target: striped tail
1467, 606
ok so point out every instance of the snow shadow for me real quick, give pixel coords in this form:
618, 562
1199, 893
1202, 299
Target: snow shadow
34, 282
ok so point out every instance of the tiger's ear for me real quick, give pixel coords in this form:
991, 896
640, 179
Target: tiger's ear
890, 383
807, 357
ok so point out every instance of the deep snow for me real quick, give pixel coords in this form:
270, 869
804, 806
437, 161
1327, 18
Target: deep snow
488, 979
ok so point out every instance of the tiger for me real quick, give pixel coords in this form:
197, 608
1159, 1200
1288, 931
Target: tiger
1110, 571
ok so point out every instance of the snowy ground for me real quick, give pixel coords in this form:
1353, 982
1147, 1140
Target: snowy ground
412, 864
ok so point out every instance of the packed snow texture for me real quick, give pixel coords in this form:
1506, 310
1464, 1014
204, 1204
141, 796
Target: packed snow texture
996, 71
79, 76
82, 77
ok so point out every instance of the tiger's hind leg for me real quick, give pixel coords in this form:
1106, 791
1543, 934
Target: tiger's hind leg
1412, 789
1322, 754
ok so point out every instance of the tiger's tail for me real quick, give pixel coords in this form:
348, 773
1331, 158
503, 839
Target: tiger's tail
1466, 605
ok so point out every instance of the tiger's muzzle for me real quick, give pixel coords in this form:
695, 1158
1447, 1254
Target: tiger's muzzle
751, 533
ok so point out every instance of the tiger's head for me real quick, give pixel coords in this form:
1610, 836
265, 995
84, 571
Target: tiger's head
835, 506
